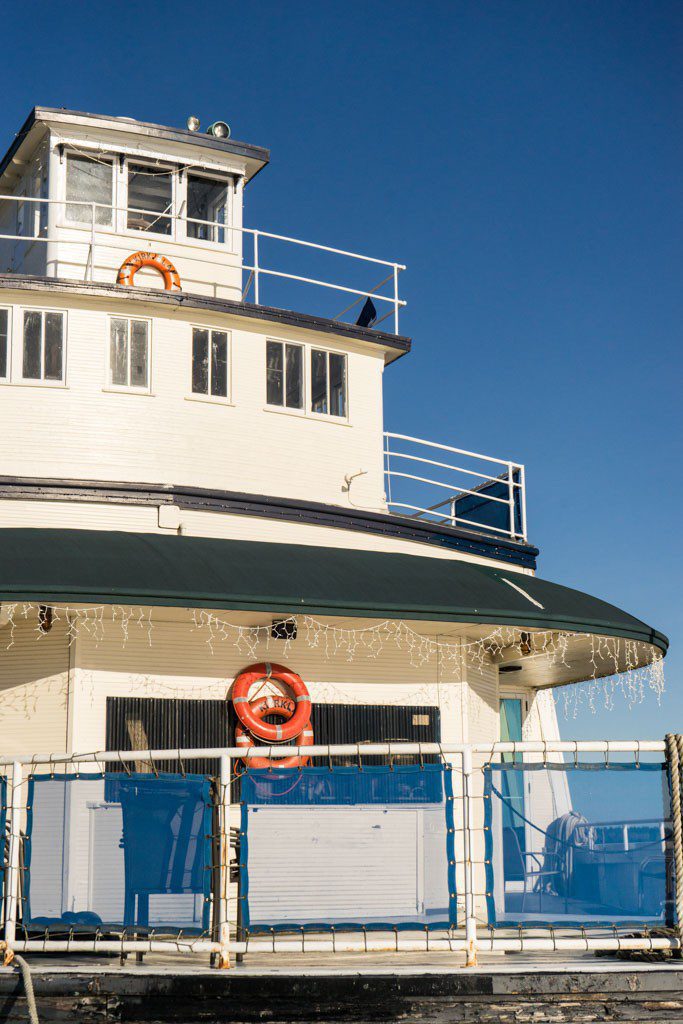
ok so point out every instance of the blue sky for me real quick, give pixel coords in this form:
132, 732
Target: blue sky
524, 160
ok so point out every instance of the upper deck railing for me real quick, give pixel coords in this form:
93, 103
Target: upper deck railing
96, 228
454, 487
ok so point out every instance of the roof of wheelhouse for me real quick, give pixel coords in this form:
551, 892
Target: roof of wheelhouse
255, 157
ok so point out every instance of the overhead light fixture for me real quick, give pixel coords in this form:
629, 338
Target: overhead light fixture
192, 123
219, 130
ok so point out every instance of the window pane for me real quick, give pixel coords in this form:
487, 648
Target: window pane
138, 354
295, 377
219, 363
150, 194
206, 200
54, 337
274, 382
4, 341
32, 328
200, 361
318, 381
119, 352
337, 384
89, 181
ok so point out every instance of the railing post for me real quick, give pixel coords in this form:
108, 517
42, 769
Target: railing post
222, 909
12, 878
395, 298
92, 242
511, 500
522, 481
256, 277
470, 918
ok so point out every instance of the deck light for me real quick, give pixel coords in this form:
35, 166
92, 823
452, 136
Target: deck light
219, 130
192, 123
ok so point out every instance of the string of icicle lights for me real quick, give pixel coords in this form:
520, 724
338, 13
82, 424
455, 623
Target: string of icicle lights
617, 668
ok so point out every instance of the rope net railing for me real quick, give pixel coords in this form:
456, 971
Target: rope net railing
459, 848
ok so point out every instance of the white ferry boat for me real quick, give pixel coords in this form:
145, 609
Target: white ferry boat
197, 494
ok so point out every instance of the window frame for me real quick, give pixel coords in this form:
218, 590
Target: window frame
128, 389
42, 381
201, 396
292, 410
160, 167
183, 200
329, 416
7, 377
110, 158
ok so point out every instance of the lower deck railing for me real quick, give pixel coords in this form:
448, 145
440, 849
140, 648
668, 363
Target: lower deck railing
463, 848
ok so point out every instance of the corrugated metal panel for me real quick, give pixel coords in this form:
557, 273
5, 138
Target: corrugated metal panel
158, 723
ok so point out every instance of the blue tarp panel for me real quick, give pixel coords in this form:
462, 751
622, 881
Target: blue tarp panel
586, 844
351, 847
114, 852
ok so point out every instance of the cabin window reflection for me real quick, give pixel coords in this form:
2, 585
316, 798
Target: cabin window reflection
89, 180
328, 383
4, 344
129, 354
209, 362
284, 375
150, 199
43, 346
207, 204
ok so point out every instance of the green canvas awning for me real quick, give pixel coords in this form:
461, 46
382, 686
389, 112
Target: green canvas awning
97, 567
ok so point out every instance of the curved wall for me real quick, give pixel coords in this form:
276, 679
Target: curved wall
84, 430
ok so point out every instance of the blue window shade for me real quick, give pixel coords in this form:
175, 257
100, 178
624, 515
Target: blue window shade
369, 847
597, 848
118, 853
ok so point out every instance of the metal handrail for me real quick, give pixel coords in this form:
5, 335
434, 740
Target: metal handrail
456, 756
257, 269
513, 479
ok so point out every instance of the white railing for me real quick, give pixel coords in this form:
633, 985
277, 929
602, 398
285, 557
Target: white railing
484, 493
466, 761
97, 235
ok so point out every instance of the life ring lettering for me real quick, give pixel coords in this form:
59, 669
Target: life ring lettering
137, 260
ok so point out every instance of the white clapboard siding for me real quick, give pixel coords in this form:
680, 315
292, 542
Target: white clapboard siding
85, 430
179, 663
33, 687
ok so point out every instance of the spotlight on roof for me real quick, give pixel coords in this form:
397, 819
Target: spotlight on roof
192, 123
219, 129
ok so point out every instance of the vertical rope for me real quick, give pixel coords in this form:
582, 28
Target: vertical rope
674, 753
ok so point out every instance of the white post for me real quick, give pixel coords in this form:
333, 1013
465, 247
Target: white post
256, 279
395, 298
92, 242
222, 909
522, 480
470, 919
511, 500
12, 880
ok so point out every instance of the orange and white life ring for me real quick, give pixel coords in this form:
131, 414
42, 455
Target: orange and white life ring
265, 672
137, 260
285, 708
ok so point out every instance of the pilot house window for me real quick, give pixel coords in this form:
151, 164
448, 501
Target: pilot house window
43, 349
328, 382
129, 354
209, 362
89, 180
150, 198
284, 375
207, 203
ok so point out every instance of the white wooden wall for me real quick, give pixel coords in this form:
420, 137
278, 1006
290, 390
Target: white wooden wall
84, 430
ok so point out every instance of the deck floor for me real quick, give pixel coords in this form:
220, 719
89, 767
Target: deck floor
347, 988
